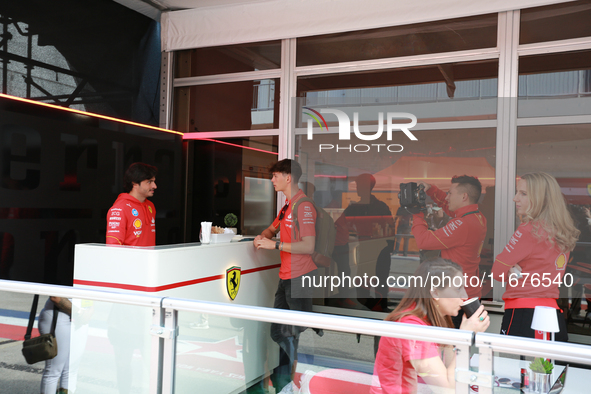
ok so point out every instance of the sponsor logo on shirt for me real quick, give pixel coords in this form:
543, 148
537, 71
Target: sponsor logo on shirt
114, 224
560, 261
150, 209
513, 241
116, 209
129, 205
452, 226
137, 233
308, 214
113, 231
134, 212
114, 218
115, 213
137, 224
307, 208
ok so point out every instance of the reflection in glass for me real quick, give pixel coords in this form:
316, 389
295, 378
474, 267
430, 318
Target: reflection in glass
418, 39
228, 59
459, 91
434, 158
231, 176
110, 347
555, 22
242, 105
555, 84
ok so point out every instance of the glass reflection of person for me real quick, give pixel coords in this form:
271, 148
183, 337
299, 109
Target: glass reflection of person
369, 217
401, 363
462, 239
540, 247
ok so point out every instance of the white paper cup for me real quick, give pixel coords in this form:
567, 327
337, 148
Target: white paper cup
205, 234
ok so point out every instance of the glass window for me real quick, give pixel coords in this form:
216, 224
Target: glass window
419, 39
432, 93
555, 22
370, 243
555, 84
563, 151
227, 106
228, 59
231, 175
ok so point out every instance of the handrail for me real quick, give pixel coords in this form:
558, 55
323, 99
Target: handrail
75, 292
562, 351
357, 325
328, 322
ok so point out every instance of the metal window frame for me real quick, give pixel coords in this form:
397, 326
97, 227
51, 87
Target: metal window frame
508, 51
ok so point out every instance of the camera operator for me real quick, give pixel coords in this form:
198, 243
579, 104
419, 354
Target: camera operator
461, 240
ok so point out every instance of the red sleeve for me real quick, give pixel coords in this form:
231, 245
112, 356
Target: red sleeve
450, 236
307, 219
417, 350
116, 226
519, 247
438, 196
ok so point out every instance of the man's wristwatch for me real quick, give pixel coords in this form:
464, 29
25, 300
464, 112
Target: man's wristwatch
277, 244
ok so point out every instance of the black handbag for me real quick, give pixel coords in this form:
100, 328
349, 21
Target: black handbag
43, 347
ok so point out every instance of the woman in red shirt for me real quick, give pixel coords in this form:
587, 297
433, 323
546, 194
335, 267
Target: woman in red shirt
400, 362
533, 263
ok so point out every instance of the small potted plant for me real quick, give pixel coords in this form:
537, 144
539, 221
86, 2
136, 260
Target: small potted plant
230, 220
542, 375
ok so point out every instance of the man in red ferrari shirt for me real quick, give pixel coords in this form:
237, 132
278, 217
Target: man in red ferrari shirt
461, 240
132, 218
297, 241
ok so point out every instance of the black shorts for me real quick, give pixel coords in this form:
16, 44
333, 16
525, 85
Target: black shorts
517, 322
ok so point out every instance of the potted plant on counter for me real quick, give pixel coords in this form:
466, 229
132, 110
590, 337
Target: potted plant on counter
230, 220
541, 380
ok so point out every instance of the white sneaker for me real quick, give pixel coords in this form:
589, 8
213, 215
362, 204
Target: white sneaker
289, 389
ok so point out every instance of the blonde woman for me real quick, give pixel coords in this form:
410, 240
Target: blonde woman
400, 362
536, 256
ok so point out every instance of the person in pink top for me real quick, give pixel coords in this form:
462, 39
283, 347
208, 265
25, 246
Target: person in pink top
536, 255
402, 363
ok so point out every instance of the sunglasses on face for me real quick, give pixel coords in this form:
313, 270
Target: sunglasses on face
283, 210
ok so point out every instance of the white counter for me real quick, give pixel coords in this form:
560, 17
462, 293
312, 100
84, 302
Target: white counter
224, 356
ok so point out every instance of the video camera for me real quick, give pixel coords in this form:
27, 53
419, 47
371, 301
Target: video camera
412, 197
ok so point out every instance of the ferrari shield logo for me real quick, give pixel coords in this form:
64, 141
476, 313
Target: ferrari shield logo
233, 281
589, 189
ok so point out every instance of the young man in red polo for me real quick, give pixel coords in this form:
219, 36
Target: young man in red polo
296, 246
132, 218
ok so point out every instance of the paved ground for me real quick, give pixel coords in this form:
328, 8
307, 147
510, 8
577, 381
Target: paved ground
16, 376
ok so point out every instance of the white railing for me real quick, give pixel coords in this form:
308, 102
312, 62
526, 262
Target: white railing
165, 320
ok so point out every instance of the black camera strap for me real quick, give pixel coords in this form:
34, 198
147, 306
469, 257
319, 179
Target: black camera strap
469, 213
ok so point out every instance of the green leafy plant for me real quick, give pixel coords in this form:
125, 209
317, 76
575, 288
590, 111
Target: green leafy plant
541, 365
230, 220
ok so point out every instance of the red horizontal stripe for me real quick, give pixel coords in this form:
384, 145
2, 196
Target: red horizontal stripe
17, 333
169, 286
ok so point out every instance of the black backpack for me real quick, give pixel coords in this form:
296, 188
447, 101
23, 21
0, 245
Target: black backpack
326, 233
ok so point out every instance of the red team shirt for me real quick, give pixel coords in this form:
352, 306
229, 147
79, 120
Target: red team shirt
130, 222
294, 265
460, 241
393, 367
534, 257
